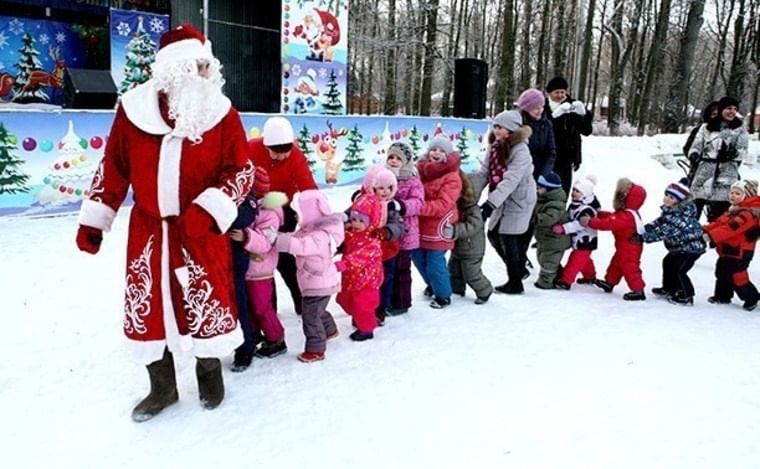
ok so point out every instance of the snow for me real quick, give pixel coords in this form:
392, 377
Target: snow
547, 379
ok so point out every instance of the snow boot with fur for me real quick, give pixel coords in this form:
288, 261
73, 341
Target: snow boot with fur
210, 382
163, 389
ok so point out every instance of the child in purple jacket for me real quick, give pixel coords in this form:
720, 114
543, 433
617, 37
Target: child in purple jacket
411, 196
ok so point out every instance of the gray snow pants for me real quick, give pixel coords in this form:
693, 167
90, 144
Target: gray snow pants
467, 271
318, 323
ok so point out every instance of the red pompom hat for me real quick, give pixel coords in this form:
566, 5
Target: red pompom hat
184, 42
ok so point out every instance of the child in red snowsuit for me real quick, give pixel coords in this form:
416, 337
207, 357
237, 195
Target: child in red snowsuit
625, 222
735, 234
362, 266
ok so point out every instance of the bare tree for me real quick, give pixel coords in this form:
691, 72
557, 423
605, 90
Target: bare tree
621, 53
527, 14
654, 68
389, 107
431, 10
504, 81
675, 104
588, 40
741, 51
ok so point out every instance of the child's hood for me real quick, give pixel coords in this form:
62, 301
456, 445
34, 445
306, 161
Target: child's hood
430, 169
629, 195
310, 206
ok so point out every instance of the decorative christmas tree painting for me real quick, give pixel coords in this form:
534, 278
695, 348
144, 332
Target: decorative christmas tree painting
141, 52
12, 179
332, 104
70, 176
354, 161
414, 141
25, 90
304, 143
462, 145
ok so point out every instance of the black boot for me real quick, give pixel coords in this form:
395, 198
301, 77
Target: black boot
272, 349
607, 287
210, 382
635, 296
241, 362
163, 389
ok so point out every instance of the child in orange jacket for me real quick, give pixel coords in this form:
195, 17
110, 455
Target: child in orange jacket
734, 235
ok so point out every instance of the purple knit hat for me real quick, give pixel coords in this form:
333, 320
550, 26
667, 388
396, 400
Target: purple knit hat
531, 99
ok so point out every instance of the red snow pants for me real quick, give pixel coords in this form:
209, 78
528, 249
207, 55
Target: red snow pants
361, 306
579, 262
626, 263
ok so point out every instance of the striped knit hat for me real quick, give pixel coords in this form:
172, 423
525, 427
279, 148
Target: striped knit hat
748, 186
679, 190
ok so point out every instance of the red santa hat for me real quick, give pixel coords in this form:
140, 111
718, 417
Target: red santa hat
183, 43
330, 25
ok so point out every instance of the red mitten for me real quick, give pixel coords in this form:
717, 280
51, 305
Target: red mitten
558, 229
340, 265
197, 222
89, 239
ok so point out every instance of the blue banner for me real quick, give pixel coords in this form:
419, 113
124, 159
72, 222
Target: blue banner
59, 151
33, 57
134, 42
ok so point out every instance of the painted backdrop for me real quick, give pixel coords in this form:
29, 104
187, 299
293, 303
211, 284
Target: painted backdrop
54, 154
134, 42
314, 56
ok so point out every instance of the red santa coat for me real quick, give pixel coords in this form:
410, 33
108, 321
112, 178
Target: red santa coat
179, 290
290, 175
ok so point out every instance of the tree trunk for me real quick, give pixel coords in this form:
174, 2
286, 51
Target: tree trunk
504, 81
616, 68
720, 63
739, 69
675, 103
588, 39
654, 69
427, 71
543, 40
559, 61
599, 59
525, 46
448, 77
389, 107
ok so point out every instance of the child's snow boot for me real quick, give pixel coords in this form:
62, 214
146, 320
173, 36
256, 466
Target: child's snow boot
428, 292
661, 292
272, 349
635, 296
397, 311
163, 389
718, 301
359, 336
311, 357
210, 382
607, 287
440, 303
560, 285
680, 299
241, 362
586, 281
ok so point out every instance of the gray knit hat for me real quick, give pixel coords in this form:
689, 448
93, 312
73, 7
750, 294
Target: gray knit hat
443, 142
402, 150
510, 120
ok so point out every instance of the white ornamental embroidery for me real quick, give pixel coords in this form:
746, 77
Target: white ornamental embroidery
239, 188
96, 188
206, 316
138, 292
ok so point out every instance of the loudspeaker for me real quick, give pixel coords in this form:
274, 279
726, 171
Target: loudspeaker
470, 80
88, 89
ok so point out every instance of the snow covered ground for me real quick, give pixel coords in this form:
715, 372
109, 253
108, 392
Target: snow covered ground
547, 379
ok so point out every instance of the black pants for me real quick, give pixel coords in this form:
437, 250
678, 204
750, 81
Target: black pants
675, 273
513, 251
731, 276
714, 208
286, 263
564, 170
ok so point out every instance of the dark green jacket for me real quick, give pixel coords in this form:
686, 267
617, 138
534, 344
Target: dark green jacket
551, 209
469, 232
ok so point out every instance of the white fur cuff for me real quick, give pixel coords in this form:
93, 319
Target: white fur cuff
96, 214
219, 205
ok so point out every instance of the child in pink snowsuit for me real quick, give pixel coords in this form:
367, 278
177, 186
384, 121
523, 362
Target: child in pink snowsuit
362, 266
319, 234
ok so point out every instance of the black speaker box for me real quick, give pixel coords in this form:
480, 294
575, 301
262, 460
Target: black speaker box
88, 89
470, 80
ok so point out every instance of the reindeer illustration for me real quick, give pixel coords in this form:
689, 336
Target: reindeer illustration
326, 146
40, 78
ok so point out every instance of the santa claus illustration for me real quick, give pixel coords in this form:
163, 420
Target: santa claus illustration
321, 33
180, 145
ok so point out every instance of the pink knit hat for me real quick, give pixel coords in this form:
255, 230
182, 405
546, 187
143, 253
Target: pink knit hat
531, 99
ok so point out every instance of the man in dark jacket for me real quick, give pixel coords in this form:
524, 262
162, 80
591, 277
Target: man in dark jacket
570, 120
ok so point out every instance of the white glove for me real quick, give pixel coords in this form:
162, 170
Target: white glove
563, 108
579, 108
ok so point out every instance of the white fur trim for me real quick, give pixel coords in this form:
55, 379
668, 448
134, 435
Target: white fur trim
174, 341
96, 214
141, 106
186, 49
219, 345
219, 205
168, 175
637, 219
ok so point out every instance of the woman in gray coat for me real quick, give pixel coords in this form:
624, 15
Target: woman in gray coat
507, 171
717, 152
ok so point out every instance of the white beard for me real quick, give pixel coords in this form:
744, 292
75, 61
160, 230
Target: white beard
194, 101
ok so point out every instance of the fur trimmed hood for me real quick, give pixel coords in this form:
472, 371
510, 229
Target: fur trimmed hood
628, 195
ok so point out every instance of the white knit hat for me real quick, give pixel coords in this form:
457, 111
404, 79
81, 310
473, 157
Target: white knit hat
277, 131
585, 186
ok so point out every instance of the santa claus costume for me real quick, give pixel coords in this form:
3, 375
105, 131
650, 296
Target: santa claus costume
181, 146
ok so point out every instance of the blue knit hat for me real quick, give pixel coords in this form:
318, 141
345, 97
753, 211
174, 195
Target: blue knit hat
550, 180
